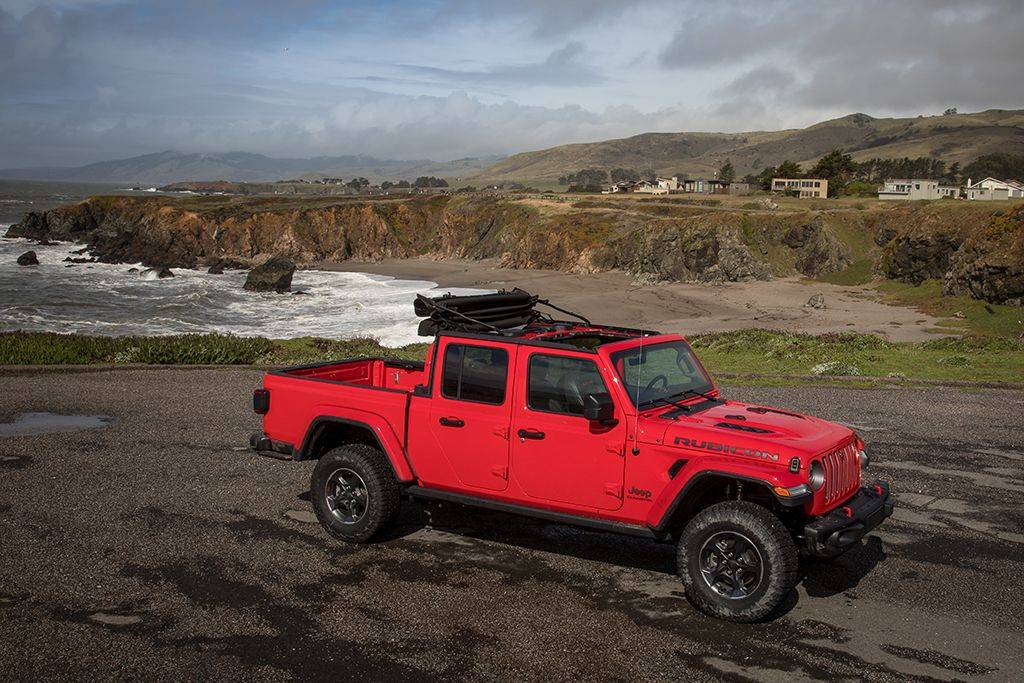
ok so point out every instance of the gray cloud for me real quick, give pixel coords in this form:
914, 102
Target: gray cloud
563, 67
86, 80
870, 54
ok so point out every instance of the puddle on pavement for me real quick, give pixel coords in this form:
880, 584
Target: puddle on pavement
33, 424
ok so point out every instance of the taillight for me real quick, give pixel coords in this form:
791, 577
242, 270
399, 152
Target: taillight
261, 401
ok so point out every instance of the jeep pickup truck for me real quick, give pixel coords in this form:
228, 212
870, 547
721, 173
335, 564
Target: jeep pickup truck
608, 428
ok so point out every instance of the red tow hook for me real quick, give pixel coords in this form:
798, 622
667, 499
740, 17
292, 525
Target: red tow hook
848, 511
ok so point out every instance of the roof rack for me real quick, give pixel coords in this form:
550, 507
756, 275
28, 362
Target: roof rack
504, 312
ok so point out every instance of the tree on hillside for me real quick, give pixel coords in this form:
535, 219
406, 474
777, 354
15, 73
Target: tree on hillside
727, 172
386, 185
953, 174
648, 174
358, 183
429, 181
629, 175
788, 169
950, 112
584, 178
403, 184
837, 168
1002, 166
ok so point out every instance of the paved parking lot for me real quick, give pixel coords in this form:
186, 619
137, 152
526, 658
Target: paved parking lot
156, 546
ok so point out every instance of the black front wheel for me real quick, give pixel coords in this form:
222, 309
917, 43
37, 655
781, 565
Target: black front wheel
737, 561
355, 494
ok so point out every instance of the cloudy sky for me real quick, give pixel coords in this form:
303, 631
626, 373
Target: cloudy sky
90, 80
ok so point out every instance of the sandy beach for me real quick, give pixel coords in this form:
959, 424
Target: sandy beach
686, 308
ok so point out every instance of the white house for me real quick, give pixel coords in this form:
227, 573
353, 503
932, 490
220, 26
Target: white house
993, 188
914, 188
648, 187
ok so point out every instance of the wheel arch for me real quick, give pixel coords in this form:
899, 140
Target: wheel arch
330, 431
708, 487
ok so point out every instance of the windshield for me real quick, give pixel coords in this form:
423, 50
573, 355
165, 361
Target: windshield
664, 371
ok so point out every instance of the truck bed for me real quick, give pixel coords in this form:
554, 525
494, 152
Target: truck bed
380, 373
374, 391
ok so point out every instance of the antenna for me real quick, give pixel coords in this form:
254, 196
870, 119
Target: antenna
639, 382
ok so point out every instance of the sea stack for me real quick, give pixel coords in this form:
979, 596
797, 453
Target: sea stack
273, 275
29, 259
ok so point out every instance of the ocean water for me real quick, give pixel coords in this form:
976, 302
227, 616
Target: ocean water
106, 299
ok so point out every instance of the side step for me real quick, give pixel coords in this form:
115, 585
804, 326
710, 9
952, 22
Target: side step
549, 515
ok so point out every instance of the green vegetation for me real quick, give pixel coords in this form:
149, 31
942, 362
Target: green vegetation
959, 314
760, 352
44, 348
769, 352
857, 273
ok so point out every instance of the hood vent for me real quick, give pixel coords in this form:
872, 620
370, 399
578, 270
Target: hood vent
761, 410
743, 428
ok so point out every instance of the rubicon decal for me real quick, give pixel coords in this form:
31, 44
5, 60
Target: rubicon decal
725, 448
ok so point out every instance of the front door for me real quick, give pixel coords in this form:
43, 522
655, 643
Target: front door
557, 454
470, 411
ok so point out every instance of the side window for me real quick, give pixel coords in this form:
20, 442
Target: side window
474, 373
559, 384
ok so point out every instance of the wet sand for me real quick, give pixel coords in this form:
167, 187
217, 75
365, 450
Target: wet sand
686, 308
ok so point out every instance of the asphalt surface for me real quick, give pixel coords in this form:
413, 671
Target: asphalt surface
156, 546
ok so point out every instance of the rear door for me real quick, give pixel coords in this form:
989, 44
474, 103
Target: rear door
471, 408
557, 454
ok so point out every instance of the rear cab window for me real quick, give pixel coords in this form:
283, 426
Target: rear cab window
474, 373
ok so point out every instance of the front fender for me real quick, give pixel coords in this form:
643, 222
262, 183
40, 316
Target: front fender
691, 475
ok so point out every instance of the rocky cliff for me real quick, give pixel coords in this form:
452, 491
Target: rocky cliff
977, 250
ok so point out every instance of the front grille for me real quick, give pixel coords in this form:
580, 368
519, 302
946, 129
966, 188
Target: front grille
841, 472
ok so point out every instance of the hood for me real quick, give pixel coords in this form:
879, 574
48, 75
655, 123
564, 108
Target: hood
746, 430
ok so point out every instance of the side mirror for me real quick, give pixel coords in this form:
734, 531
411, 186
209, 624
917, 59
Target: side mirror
598, 407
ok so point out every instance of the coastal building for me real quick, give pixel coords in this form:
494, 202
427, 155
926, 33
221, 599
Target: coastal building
994, 189
649, 187
805, 188
909, 189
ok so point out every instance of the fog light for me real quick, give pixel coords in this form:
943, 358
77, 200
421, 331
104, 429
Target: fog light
792, 491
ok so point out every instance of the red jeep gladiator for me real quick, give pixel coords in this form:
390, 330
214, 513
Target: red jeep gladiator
608, 428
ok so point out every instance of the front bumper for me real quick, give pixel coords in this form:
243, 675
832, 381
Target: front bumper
836, 531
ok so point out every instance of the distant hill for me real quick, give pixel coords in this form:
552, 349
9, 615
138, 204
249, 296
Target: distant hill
954, 138
169, 167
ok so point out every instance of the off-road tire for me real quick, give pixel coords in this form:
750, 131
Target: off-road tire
383, 498
775, 550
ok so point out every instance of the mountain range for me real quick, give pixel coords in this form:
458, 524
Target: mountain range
953, 138
168, 167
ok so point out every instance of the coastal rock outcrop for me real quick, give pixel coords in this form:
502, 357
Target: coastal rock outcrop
991, 266
654, 240
29, 258
156, 273
273, 275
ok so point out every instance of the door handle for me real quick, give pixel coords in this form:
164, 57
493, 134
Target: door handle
530, 434
451, 422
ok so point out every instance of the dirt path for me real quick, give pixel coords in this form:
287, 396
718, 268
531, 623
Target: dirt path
679, 307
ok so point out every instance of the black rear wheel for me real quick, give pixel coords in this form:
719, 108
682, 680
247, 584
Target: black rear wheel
354, 492
737, 561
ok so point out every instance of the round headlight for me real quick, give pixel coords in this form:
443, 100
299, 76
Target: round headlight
862, 457
816, 475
